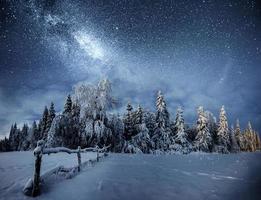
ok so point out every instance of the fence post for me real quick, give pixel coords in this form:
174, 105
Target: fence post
97, 149
37, 168
79, 158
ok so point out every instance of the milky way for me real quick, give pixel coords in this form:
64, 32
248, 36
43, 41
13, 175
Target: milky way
197, 52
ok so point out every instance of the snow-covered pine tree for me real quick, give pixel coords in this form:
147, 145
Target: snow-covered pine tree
212, 126
34, 134
75, 124
180, 140
234, 145
203, 141
258, 142
51, 115
68, 105
43, 124
162, 114
249, 138
128, 123
11, 137
139, 115
117, 126
150, 121
24, 142
162, 132
140, 141
238, 135
223, 132
14, 138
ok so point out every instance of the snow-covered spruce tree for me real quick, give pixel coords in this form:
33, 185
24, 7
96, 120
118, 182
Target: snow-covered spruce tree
249, 138
258, 142
162, 131
24, 140
55, 137
141, 140
43, 124
234, 145
162, 114
138, 116
239, 137
116, 125
212, 127
180, 140
14, 138
68, 105
203, 141
223, 133
128, 123
70, 124
51, 115
34, 135
150, 121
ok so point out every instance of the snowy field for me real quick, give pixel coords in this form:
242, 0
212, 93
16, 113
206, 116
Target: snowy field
128, 176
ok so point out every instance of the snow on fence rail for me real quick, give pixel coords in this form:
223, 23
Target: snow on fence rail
32, 187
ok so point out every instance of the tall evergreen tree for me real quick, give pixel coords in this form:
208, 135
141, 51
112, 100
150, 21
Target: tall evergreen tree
139, 115
14, 138
249, 138
128, 123
258, 142
234, 145
51, 115
238, 134
35, 135
181, 142
223, 132
68, 105
162, 114
203, 140
43, 124
24, 140
161, 137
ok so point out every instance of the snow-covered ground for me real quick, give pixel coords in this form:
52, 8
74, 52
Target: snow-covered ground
128, 176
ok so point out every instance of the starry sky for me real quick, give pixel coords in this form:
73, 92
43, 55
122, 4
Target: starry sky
196, 52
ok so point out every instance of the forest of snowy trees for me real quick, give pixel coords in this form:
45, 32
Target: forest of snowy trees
86, 122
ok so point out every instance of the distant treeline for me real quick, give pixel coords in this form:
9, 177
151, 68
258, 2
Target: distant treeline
85, 122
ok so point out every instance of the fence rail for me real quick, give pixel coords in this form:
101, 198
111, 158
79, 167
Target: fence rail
32, 188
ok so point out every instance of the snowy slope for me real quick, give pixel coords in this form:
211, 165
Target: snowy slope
17, 167
128, 176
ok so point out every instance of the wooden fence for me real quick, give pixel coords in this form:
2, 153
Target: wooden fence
32, 188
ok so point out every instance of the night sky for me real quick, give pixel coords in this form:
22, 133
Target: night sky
197, 52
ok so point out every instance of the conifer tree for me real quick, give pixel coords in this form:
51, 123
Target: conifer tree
128, 122
258, 142
162, 132
223, 132
249, 143
139, 115
35, 135
14, 138
68, 105
43, 124
203, 140
51, 115
181, 142
234, 145
238, 135
162, 114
